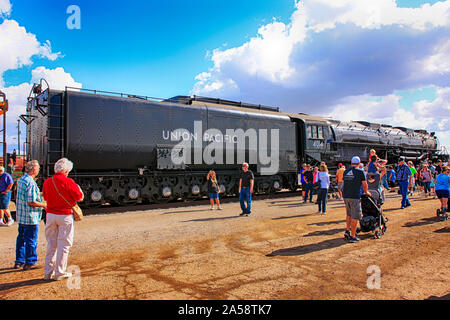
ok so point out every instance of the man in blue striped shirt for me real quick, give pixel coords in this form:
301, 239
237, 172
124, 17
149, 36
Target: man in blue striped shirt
28, 215
404, 179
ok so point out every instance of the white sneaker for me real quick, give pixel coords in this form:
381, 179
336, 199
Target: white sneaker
212, 208
10, 222
66, 275
2, 224
219, 208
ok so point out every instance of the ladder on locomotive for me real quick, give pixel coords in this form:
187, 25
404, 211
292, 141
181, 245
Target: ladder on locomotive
55, 133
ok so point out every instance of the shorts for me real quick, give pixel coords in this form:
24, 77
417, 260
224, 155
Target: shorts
391, 184
442, 194
4, 200
341, 185
353, 207
304, 186
213, 196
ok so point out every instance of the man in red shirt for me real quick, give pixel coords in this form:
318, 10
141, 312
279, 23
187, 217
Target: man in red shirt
61, 194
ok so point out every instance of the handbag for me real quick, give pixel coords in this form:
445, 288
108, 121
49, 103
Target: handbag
76, 210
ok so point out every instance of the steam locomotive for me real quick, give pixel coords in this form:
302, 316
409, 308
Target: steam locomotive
124, 146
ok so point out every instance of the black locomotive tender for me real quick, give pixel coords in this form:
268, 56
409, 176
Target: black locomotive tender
121, 148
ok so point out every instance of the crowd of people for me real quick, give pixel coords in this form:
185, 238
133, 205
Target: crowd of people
431, 179
60, 194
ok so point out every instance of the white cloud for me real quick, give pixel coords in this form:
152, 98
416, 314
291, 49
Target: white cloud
330, 51
438, 110
5, 8
57, 78
439, 60
325, 14
386, 110
335, 57
17, 47
17, 96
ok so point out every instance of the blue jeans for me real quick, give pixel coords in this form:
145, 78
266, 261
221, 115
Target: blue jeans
404, 191
309, 188
245, 197
426, 187
322, 199
4, 200
385, 183
26, 244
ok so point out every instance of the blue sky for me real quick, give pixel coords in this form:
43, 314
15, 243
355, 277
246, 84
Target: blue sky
331, 58
148, 47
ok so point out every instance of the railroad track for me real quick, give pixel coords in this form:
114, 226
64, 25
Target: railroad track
106, 209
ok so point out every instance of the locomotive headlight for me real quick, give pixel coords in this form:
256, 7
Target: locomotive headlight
96, 196
195, 190
133, 194
166, 192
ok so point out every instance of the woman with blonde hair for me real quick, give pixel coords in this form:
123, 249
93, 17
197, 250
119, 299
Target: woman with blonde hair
324, 179
213, 189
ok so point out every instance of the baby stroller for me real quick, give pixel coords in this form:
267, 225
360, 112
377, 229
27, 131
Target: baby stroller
333, 192
373, 219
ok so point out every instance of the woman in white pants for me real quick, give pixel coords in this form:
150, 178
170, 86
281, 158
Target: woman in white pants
61, 194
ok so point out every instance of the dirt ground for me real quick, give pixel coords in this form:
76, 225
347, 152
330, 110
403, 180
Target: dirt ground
285, 250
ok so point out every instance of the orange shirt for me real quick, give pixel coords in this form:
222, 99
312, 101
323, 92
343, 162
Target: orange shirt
340, 175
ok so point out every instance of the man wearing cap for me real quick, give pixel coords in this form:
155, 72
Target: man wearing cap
353, 178
404, 179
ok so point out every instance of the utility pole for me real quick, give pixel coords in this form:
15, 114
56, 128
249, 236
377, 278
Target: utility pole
4, 109
4, 133
18, 136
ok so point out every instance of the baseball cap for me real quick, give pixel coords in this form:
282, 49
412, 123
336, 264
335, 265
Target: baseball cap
356, 160
401, 159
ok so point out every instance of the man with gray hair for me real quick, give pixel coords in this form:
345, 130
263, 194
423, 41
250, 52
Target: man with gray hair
61, 194
29, 213
6, 184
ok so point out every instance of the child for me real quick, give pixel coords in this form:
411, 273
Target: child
213, 190
432, 185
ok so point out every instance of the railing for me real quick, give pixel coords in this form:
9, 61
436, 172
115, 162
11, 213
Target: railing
119, 94
178, 99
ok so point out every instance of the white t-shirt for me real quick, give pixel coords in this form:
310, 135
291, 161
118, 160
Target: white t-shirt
324, 179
